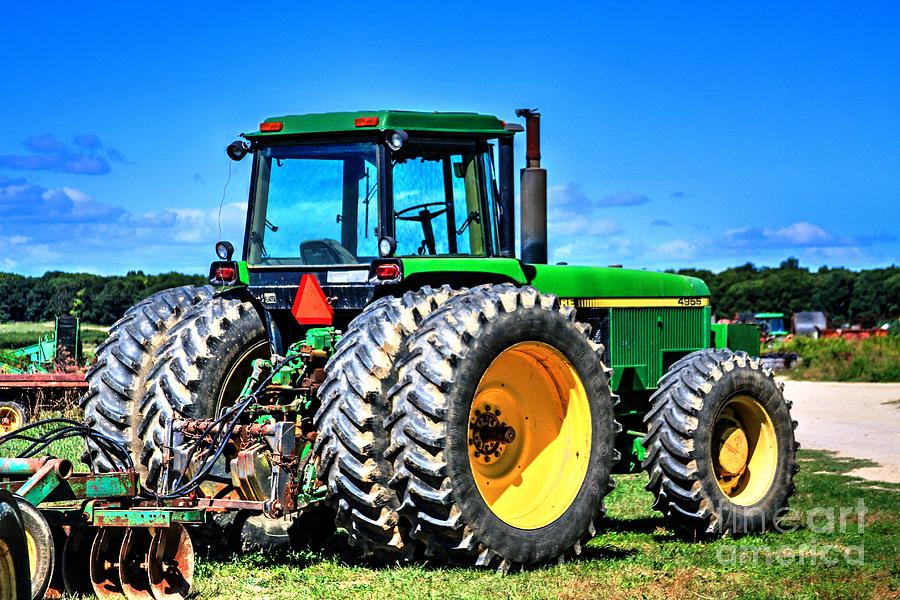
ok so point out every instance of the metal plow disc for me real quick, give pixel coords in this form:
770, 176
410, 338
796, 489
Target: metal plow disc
76, 561
171, 563
133, 564
104, 563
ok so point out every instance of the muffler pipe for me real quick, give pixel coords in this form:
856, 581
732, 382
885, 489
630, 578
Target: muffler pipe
534, 192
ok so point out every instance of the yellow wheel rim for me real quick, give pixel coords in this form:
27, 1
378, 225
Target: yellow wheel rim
529, 435
745, 450
32, 554
7, 573
10, 420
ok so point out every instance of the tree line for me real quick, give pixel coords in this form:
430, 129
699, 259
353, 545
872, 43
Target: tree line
92, 298
866, 297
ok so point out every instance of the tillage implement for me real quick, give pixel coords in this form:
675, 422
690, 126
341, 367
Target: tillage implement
379, 359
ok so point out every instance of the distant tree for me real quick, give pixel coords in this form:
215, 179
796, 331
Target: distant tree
869, 296
872, 301
789, 264
116, 296
834, 293
13, 291
892, 292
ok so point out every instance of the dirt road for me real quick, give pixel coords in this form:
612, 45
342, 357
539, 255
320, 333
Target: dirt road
861, 420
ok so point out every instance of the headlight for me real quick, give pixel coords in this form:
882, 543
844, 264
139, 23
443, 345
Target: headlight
386, 246
224, 250
396, 139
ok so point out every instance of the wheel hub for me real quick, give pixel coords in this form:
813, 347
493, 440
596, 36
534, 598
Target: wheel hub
744, 450
733, 450
529, 435
9, 420
488, 434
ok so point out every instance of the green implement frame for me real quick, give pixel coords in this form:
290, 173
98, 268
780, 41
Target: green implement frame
43, 356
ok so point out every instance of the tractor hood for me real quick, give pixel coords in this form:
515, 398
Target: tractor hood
609, 282
628, 285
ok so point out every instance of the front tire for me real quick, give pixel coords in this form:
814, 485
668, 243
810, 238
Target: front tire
501, 387
720, 445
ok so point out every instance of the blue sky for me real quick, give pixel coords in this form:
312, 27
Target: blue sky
705, 135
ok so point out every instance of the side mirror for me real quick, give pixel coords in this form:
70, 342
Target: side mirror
237, 150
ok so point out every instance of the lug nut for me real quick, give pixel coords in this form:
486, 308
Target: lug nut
509, 434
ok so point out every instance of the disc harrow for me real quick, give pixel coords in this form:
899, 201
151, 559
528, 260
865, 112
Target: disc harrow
102, 538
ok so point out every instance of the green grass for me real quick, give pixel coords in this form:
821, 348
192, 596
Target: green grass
634, 556
836, 359
70, 448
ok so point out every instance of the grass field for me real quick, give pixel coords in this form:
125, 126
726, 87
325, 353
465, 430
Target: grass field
634, 556
837, 359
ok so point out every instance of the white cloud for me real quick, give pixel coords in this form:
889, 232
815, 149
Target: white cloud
679, 249
65, 228
799, 234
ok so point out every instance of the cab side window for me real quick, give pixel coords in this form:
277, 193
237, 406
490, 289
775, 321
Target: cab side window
437, 204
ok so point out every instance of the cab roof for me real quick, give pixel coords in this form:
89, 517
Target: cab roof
381, 120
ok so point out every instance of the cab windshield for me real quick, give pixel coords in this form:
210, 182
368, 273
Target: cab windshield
315, 205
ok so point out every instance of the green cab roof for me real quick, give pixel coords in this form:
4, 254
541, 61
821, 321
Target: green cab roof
772, 315
381, 120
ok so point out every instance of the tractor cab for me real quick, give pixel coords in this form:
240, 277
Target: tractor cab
347, 188
331, 203
336, 195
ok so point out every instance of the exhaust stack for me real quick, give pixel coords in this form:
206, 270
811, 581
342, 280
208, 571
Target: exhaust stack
534, 192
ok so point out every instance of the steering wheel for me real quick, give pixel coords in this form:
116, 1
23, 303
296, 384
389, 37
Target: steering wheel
423, 214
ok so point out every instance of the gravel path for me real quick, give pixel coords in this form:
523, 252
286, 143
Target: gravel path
860, 420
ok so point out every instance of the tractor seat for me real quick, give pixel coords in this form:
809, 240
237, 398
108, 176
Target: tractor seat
325, 252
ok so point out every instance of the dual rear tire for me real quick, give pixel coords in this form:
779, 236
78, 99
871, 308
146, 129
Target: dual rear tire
502, 430
473, 425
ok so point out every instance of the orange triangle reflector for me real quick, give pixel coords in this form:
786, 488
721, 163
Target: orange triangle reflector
310, 305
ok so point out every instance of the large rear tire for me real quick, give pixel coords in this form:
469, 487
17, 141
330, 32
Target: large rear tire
115, 382
202, 366
720, 445
350, 420
502, 432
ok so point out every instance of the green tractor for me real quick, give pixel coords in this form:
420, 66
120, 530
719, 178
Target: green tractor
448, 398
